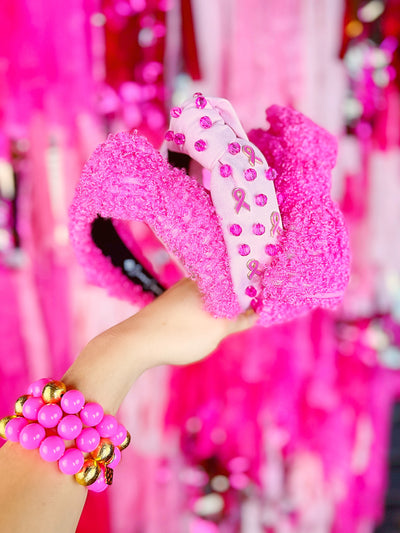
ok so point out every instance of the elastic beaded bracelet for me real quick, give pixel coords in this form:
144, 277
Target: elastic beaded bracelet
50, 408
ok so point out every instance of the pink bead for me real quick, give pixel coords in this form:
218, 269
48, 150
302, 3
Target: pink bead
35, 389
201, 102
244, 249
108, 427
52, 448
197, 94
169, 135
72, 402
205, 122
31, 436
71, 462
176, 112
255, 304
100, 484
117, 458
179, 138
233, 148
69, 427
225, 170
258, 229
120, 435
250, 174
235, 229
200, 145
261, 199
31, 408
88, 440
270, 173
50, 415
271, 249
14, 428
92, 414
251, 291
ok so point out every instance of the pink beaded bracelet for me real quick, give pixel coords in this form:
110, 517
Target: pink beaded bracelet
49, 417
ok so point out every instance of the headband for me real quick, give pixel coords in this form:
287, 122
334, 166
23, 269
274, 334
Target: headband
250, 233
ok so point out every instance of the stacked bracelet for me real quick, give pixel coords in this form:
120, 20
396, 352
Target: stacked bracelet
50, 417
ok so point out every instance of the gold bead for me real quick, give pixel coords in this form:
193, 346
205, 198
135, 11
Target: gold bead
3, 423
126, 442
20, 403
53, 391
88, 474
104, 451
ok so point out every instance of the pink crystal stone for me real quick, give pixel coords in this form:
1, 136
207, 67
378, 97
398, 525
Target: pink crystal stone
244, 249
271, 249
69, 427
71, 462
92, 414
261, 199
258, 229
179, 138
52, 448
250, 174
235, 229
100, 484
255, 304
233, 148
108, 427
176, 112
270, 173
251, 291
31, 408
50, 415
72, 402
35, 389
197, 95
205, 122
116, 459
201, 102
200, 145
169, 135
14, 428
88, 440
31, 436
119, 436
225, 170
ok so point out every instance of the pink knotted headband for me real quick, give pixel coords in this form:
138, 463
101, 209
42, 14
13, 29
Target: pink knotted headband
230, 240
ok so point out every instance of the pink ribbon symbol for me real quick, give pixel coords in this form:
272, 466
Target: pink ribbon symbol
239, 195
275, 220
249, 151
253, 265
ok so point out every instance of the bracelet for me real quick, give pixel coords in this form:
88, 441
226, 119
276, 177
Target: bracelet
50, 417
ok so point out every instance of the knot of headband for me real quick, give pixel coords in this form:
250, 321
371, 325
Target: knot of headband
260, 229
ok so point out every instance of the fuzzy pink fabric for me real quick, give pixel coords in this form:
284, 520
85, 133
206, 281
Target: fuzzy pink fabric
126, 178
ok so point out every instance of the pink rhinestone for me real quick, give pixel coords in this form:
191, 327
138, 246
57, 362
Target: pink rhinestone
14, 428
233, 148
250, 174
169, 135
270, 173
225, 171
179, 138
201, 102
71, 462
176, 112
258, 229
261, 199
196, 95
235, 229
271, 249
205, 122
200, 145
244, 249
52, 448
251, 291
254, 304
